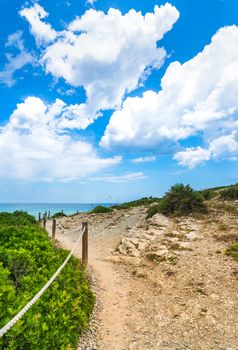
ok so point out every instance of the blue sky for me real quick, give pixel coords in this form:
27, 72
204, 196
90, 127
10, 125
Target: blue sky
110, 101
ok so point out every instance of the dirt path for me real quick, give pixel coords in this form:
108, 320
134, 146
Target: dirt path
186, 301
118, 314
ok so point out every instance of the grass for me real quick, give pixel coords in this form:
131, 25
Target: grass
230, 208
223, 227
233, 251
172, 260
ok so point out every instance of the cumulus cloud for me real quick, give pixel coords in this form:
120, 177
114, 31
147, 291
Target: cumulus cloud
43, 32
15, 62
144, 159
198, 97
32, 146
108, 55
223, 147
120, 178
191, 157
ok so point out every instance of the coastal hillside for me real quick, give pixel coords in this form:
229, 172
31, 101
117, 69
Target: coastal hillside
162, 281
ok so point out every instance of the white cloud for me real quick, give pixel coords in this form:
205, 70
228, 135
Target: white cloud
191, 157
91, 2
15, 40
108, 55
144, 159
198, 97
120, 178
43, 32
223, 147
32, 146
15, 62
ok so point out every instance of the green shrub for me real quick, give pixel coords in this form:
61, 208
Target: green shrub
207, 194
151, 211
18, 218
182, 200
230, 193
60, 214
27, 260
101, 209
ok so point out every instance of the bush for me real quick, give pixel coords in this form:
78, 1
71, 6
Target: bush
18, 218
27, 260
207, 194
182, 200
151, 211
230, 193
101, 209
60, 214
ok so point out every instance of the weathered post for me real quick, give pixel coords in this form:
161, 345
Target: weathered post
39, 216
53, 228
85, 244
44, 221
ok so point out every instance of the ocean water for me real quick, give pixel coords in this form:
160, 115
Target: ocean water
36, 208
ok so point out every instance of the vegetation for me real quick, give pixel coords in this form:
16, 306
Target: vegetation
60, 214
27, 260
182, 200
151, 211
143, 201
223, 227
207, 194
230, 193
233, 251
101, 209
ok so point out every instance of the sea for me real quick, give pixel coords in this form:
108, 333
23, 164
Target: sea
35, 208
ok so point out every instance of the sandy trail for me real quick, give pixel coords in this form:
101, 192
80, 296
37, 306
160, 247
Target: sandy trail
117, 315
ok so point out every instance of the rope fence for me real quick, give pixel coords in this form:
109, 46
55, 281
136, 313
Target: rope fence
16, 318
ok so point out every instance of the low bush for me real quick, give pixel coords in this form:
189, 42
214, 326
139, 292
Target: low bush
182, 200
101, 209
207, 194
230, 193
60, 214
151, 211
18, 218
27, 260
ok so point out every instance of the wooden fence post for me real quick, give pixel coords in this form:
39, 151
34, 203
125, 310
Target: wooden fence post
44, 222
53, 228
85, 244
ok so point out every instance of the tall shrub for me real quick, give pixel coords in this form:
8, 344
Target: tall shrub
182, 200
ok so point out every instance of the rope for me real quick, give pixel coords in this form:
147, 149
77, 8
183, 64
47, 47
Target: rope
11, 323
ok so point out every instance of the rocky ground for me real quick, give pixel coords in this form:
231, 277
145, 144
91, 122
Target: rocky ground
160, 283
